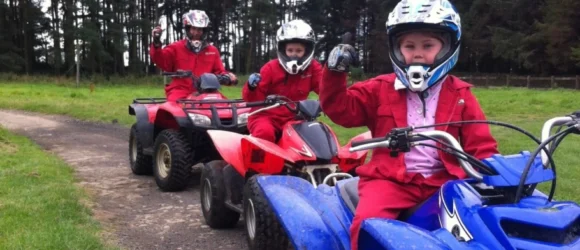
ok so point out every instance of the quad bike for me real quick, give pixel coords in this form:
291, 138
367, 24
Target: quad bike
306, 148
169, 138
497, 207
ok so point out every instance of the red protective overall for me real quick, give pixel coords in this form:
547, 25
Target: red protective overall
276, 81
177, 56
385, 187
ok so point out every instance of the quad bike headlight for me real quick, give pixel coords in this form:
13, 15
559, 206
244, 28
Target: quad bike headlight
200, 120
243, 118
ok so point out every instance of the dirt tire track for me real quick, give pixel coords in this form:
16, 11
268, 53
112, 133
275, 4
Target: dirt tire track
134, 212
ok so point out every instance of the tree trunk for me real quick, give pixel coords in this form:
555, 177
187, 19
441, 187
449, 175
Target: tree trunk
27, 43
68, 34
56, 37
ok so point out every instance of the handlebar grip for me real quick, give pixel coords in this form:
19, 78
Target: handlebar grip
361, 142
255, 104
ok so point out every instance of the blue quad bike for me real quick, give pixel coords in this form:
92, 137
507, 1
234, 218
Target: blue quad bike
496, 207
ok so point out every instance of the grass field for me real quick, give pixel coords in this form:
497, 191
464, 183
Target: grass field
522, 107
40, 205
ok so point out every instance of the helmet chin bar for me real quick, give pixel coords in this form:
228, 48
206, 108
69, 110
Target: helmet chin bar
417, 76
196, 43
293, 66
196, 46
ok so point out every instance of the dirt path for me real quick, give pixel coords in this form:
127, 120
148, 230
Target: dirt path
135, 212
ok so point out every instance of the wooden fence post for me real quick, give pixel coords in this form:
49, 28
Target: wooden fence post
552, 82
507, 80
528, 82
577, 83
487, 81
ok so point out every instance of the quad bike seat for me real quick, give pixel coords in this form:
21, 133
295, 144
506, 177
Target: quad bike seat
349, 193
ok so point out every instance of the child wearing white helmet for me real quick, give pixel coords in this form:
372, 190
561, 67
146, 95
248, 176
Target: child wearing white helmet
424, 38
294, 74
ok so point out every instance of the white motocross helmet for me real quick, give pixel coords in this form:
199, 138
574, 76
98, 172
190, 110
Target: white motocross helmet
198, 19
438, 16
295, 31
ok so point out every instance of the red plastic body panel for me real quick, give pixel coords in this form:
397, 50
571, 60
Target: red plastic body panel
347, 160
164, 114
292, 142
245, 152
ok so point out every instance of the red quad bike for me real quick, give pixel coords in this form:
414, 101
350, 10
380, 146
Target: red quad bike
169, 138
306, 148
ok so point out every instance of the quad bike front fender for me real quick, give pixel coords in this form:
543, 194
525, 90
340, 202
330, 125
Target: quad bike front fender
171, 115
349, 160
239, 151
313, 218
393, 234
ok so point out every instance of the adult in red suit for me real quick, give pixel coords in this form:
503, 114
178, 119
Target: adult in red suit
193, 53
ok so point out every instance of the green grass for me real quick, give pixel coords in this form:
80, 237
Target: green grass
522, 107
40, 205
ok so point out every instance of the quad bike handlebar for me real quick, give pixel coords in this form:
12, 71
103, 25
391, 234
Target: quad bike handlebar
569, 120
178, 74
223, 78
272, 101
402, 139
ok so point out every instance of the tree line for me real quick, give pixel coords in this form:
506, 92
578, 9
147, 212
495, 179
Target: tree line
112, 37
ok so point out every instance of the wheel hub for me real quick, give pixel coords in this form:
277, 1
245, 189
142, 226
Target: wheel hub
164, 160
250, 218
207, 194
133, 150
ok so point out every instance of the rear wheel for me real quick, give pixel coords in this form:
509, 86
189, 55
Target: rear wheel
173, 159
141, 164
213, 197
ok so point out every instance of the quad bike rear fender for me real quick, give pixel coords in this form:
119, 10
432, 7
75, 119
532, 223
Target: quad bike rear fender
245, 152
145, 118
266, 157
346, 160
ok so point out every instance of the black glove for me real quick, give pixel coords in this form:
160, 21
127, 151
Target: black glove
342, 57
156, 34
271, 99
224, 79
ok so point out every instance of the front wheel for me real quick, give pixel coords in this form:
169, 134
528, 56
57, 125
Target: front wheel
173, 160
263, 231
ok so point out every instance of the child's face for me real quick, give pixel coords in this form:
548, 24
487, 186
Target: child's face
295, 50
419, 47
